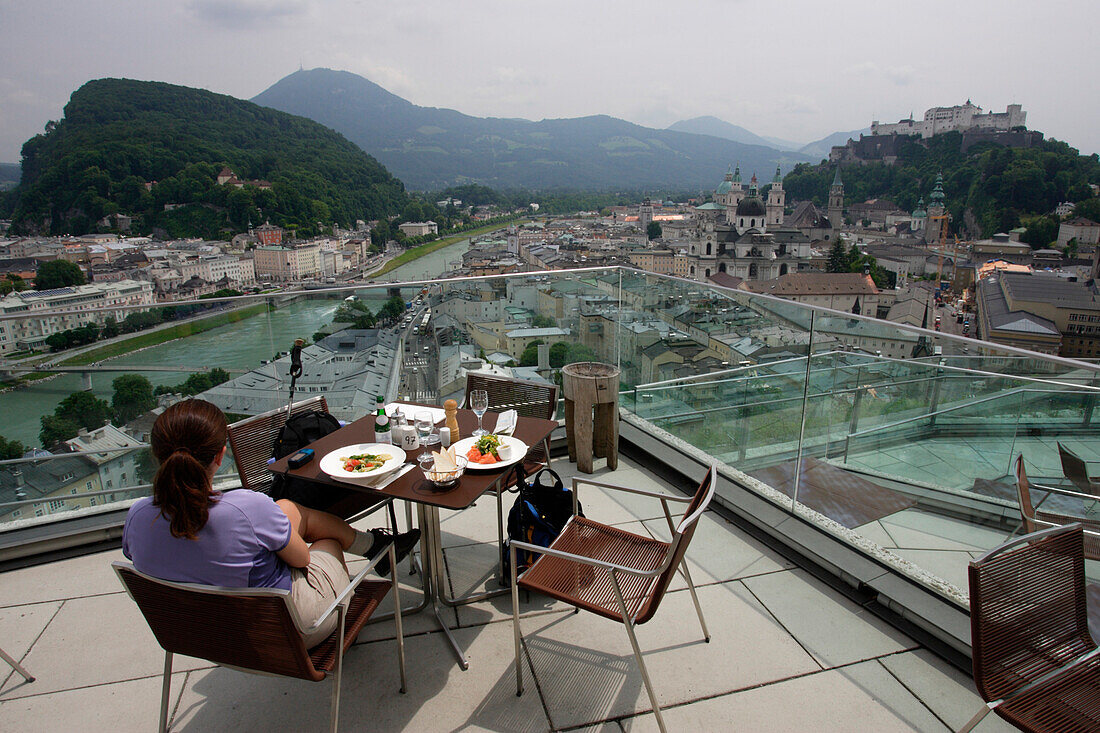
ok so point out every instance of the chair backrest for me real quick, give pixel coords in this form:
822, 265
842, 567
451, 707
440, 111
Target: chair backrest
528, 399
1075, 469
1028, 610
250, 628
1023, 495
681, 538
253, 439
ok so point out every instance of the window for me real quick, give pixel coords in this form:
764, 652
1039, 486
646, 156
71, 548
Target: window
110, 484
72, 490
57, 504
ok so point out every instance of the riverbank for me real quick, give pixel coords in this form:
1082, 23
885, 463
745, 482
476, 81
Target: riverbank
425, 249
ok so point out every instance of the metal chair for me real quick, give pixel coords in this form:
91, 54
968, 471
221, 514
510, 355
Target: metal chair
1076, 470
1035, 663
611, 572
1035, 519
256, 629
528, 399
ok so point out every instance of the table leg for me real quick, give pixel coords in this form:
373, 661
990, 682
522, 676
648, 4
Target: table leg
433, 557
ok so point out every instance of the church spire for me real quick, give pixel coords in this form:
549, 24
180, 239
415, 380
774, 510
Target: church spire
778, 178
836, 178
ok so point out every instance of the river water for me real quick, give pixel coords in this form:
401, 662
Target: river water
241, 345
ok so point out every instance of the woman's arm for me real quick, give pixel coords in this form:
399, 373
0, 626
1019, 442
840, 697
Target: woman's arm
296, 552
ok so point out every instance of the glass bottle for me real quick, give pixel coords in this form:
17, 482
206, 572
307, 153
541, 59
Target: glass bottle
382, 423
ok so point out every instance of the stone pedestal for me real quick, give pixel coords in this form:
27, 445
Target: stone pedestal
591, 392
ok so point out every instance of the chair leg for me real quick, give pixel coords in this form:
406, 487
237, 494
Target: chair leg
16, 666
515, 621
698, 609
500, 529
165, 689
409, 526
976, 719
638, 655
338, 672
397, 618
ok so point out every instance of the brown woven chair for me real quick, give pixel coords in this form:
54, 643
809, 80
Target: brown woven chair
1035, 663
613, 573
1035, 519
256, 629
528, 399
1076, 470
253, 439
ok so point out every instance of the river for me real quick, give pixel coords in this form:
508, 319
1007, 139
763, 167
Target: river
241, 345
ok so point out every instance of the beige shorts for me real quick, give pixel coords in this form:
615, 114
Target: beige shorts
313, 589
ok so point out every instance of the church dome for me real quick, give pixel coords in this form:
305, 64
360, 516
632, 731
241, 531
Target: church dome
751, 206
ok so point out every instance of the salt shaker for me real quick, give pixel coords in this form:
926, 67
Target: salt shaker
445, 437
451, 408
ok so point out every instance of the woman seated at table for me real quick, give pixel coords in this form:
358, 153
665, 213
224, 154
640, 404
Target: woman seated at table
188, 532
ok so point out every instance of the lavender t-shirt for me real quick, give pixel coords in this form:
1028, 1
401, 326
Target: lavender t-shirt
235, 549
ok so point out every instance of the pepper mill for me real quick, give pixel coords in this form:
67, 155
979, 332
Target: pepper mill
451, 408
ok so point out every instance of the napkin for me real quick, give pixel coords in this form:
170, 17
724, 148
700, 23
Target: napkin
379, 482
445, 460
506, 422
409, 411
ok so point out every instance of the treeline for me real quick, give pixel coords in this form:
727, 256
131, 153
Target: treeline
988, 189
553, 202
135, 321
153, 151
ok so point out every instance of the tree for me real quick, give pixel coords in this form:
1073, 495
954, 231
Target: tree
78, 410
133, 396
653, 230
1071, 249
11, 449
543, 321
530, 355
838, 257
57, 274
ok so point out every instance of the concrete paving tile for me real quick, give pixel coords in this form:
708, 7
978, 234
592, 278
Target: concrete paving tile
862, 697
832, 628
440, 696
78, 576
875, 532
949, 565
720, 552
948, 692
120, 707
472, 569
920, 530
587, 672
19, 627
91, 641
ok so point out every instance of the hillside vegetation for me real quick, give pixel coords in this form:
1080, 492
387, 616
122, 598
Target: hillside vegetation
153, 150
988, 189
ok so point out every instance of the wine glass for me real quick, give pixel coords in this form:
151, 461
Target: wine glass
479, 403
424, 426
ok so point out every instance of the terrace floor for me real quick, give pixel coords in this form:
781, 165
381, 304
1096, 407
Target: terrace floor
787, 653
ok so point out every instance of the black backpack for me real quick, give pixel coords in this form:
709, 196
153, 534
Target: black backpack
298, 432
538, 515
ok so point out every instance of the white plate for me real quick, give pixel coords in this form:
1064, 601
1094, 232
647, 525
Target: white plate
519, 450
333, 463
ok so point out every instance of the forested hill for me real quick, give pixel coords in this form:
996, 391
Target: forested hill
431, 148
988, 189
153, 151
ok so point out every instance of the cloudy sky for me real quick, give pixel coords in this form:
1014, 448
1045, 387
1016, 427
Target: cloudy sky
792, 69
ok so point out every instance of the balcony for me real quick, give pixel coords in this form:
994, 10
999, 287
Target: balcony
862, 464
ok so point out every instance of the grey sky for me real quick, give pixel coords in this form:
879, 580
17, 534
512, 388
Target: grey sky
793, 69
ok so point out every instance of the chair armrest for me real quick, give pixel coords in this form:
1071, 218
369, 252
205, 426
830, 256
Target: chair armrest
654, 494
1065, 492
353, 584
584, 560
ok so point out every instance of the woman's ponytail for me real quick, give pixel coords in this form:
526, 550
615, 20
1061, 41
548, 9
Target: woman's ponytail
186, 440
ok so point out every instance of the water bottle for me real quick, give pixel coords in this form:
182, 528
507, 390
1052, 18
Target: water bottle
382, 423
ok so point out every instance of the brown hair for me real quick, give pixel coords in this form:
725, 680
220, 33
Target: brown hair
185, 440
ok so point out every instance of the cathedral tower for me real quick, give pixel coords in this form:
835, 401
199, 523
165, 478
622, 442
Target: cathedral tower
836, 202
777, 200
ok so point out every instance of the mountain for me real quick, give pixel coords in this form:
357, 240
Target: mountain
9, 175
431, 148
819, 149
153, 151
715, 127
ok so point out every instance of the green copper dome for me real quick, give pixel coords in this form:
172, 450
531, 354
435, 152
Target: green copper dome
936, 199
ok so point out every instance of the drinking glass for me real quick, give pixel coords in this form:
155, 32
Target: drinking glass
479, 403
424, 426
